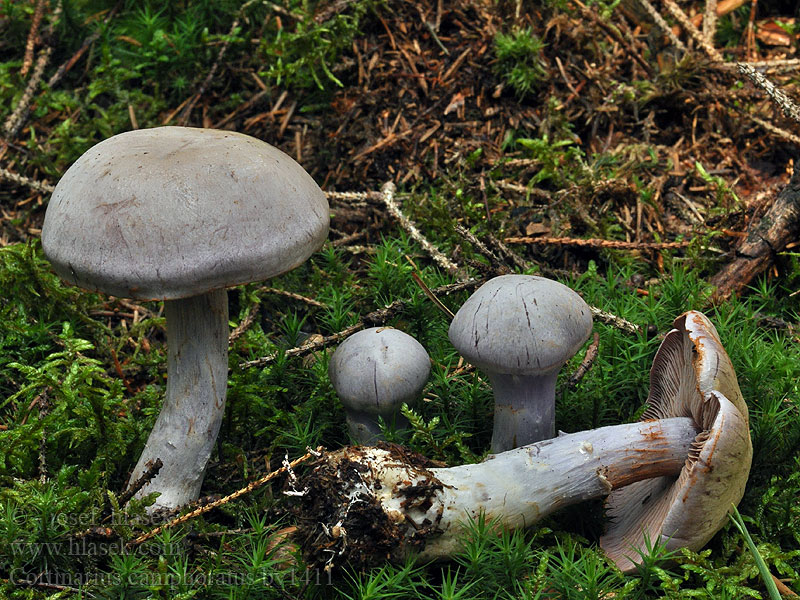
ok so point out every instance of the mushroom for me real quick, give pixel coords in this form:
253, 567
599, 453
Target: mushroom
179, 214
374, 371
367, 504
521, 329
691, 373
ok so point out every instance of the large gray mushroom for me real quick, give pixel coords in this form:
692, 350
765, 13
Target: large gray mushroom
179, 214
691, 376
374, 371
521, 329
690, 457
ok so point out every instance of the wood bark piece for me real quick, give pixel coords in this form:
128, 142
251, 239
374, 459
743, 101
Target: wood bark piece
769, 236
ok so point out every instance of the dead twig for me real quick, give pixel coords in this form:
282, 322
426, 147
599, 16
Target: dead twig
150, 471
16, 120
789, 108
597, 243
241, 492
663, 25
689, 27
33, 34
372, 319
629, 49
38, 186
782, 133
387, 196
244, 325
586, 363
613, 320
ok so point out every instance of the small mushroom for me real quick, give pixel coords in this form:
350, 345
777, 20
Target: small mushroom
179, 214
692, 449
521, 329
374, 371
691, 376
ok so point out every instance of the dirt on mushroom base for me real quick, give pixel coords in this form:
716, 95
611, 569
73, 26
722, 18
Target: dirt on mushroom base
341, 522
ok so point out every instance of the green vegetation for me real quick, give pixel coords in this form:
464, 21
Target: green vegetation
82, 375
520, 61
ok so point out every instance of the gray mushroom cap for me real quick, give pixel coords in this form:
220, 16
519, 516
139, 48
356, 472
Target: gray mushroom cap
691, 376
173, 212
521, 325
375, 370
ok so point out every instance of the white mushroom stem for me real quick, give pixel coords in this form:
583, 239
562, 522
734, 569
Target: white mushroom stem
197, 371
383, 492
524, 409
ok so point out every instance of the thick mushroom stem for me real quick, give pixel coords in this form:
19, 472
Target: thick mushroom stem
524, 409
380, 502
197, 372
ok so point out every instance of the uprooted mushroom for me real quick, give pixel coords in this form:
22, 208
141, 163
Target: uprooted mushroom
366, 505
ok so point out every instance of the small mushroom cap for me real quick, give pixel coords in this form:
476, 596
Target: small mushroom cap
521, 324
173, 212
691, 376
375, 370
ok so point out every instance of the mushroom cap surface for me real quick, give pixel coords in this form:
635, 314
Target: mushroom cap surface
692, 376
173, 212
521, 324
375, 370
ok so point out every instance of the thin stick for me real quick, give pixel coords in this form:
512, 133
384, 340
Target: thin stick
38, 186
630, 50
293, 296
597, 243
611, 319
27, 61
710, 20
17, 118
482, 248
244, 325
689, 28
790, 137
586, 363
387, 196
148, 474
789, 108
241, 492
663, 25
184, 117
376, 317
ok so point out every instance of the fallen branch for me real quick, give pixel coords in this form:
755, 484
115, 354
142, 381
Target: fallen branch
765, 238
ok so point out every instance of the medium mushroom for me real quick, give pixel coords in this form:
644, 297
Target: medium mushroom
521, 329
368, 504
374, 371
179, 214
691, 373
